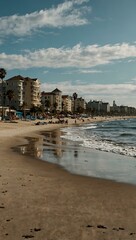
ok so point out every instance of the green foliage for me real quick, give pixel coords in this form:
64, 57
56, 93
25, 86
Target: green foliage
2, 73
10, 94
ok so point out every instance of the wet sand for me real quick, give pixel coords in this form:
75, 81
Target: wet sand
80, 160
42, 201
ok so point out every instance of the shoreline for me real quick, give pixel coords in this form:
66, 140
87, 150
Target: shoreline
42, 200
22, 127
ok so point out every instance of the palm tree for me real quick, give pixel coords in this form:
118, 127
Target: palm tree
2, 73
2, 76
10, 95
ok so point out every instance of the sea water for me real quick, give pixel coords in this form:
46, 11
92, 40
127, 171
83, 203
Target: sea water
110, 136
103, 149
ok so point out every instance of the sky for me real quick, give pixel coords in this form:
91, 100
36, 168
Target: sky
82, 46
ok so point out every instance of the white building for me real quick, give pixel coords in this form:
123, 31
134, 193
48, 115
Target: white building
26, 90
98, 107
78, 105
66, 103
52, 100
16, 85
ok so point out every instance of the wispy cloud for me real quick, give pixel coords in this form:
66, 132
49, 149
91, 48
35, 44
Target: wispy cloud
76, 57
45, 72
133, 80
131, 60
82, 71
88, 71
91, 89
106, 92
66, 14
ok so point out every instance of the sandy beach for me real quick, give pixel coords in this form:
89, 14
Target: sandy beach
42, 201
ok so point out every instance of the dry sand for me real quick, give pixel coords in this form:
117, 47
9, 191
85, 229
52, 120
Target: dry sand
41, 201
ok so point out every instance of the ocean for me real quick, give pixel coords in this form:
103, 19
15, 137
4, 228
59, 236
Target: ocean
104, 150
110, 136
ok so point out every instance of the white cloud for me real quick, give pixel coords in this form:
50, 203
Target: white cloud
132, 81
45, 72
124, 94
93, 89
65, 14
76, 57
82, 71
131, 60
88, 71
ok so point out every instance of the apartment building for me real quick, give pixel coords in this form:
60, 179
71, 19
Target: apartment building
94, 105
98, 107
52, 100
105, 107
1, 96
26, 90
47, 100
16, 85
57, 99
66, 103
78, 105
31, 92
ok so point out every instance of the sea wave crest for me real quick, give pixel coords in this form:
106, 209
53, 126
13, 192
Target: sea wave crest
94, 142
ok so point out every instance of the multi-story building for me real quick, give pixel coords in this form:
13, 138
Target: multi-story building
57, 99
16, 85
52, 100
105, 107
98, 107
47, 100
26, 91
78, 105
94, 106
1, 93
31, 92
124, 110
66, 103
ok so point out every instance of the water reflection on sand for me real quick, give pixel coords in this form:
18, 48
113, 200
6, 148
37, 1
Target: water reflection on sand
78, 160
32, 148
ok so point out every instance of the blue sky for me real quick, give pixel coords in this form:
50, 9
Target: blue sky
83, 46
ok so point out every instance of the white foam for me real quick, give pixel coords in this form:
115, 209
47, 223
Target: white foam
93, 142
89, 127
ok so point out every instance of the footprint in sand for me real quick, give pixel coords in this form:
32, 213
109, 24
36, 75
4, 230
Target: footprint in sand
114, 228
4, 191
28, 236
2, 206
32, 230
